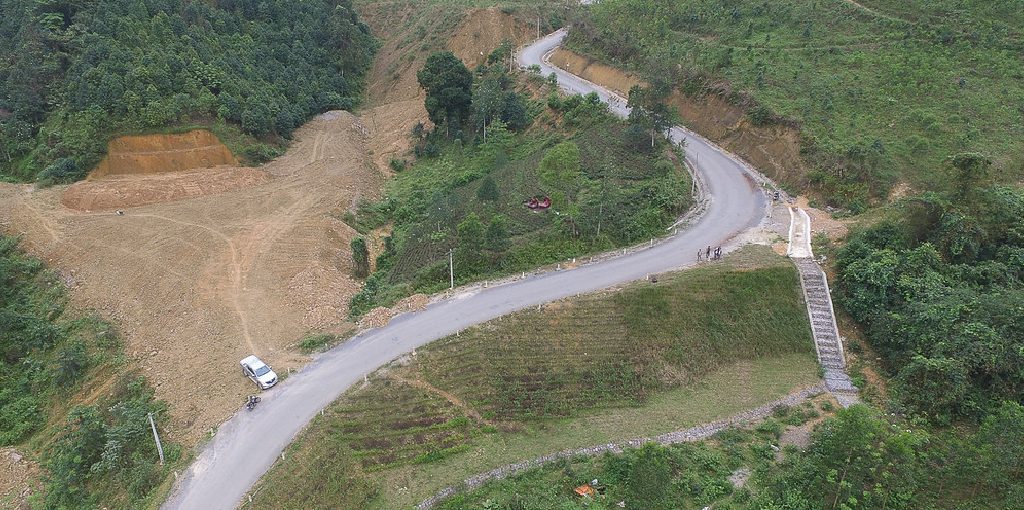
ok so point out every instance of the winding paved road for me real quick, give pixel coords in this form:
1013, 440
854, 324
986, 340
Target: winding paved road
247, 445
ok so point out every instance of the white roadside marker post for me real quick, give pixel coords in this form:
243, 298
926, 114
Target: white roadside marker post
156, 437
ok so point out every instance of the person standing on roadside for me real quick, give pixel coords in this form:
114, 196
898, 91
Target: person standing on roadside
699, 253
708, 254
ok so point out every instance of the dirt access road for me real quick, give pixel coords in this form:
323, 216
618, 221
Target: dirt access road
249, 443
198, 284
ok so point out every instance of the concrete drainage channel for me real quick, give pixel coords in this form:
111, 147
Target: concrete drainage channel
697, 433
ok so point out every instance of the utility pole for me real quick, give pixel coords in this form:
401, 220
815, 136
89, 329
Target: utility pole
451, 270
159, 447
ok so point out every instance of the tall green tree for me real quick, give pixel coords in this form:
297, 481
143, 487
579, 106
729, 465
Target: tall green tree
89, 71
650, 479
561, 168
469, 253
649, 110
449, 87
497, 237
488, 190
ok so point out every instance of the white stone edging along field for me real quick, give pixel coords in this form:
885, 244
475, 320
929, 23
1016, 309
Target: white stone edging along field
697, 433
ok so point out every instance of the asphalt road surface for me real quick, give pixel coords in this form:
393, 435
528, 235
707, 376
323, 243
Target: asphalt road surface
247, 445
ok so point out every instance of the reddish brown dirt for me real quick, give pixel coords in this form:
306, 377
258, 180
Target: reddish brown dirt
395, 97
822, 222
775, 150
147, 154
124, 191
483, 30
196, 284
207, 266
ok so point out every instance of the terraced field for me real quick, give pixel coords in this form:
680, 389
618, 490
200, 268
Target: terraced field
641, 360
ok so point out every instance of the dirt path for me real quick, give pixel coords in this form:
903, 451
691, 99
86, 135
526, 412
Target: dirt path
874, 12
198, 283
452, 399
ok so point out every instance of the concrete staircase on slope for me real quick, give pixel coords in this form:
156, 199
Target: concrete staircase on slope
820, 311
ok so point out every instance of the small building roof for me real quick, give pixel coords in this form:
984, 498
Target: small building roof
585, 491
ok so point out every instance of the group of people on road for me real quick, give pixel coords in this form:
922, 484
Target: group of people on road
705, 254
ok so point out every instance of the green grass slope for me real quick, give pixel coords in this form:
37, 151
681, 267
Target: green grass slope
883, 91
644, 360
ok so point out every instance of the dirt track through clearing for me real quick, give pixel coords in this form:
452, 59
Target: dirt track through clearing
196, 284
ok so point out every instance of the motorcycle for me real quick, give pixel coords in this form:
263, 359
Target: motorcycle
250, 403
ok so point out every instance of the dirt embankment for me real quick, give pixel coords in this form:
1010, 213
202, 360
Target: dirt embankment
149, 169
775, 149
19, 479
483, 30
149, 154
410, 33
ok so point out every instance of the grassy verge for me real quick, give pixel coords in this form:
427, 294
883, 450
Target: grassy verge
680, 476
643, 360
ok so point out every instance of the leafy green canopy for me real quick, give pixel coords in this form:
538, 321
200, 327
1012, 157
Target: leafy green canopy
73, 73
940, 291
449, 87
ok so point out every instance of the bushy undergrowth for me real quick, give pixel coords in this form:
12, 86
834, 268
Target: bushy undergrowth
74, 74
939, 289
469, 199
856, 459
97, 452
879, 95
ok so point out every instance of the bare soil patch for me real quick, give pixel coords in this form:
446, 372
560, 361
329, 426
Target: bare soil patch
125, 191
409, 35
147, 154
19, 479
483, 30
210, 262
822, 222
775, 150
196, 284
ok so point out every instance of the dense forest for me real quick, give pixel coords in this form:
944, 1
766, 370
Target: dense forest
76, 73
880, 90
940, 290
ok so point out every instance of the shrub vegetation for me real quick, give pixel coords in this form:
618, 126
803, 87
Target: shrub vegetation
939, 290
856, 459
97, 452
466, 192
879, 93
